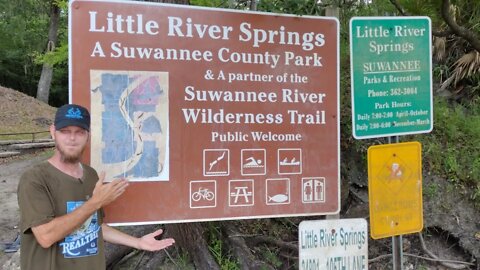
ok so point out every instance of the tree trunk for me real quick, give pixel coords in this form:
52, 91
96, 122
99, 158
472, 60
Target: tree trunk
190, 237
470, 36
253, 5
115, 253
43, 89
238, 246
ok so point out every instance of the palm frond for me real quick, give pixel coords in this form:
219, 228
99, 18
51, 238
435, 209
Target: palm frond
466, 66
454, 10
439, 48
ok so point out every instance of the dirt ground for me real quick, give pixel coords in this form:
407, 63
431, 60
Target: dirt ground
450, 232
10, 172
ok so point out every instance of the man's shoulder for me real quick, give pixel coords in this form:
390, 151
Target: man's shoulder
35, 175
37, 169
88, 168
89, 172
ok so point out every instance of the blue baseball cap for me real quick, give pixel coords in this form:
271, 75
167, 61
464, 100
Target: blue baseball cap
72, 115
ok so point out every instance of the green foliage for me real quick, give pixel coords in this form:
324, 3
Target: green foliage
24, 28
422, 267
223, 258
430, 190
271, 257
58, 56
210, 3
428, 8
297, 7
440, 72
62, 4
453, 148
182, 262
21, 29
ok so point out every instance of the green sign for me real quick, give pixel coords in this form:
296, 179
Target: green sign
391, 73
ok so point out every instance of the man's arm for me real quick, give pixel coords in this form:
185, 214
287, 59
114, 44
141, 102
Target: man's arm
58, 228
146, 242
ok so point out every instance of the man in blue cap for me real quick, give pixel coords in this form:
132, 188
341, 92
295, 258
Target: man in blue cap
61, 202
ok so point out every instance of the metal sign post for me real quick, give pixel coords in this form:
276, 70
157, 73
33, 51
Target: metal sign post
395, 192
391, 77
397, 251
397, 243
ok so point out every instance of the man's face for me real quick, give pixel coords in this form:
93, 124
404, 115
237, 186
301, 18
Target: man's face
70, 142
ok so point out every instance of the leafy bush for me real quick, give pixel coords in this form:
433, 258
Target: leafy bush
452, 149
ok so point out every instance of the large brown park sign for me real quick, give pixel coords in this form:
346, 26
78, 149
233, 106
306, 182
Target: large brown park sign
211, 114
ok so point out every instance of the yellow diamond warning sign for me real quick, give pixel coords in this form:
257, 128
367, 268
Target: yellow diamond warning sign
395, 189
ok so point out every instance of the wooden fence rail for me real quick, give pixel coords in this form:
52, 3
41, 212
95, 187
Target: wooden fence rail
33, 134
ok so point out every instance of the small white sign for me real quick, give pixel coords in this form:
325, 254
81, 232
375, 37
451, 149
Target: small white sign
333, 244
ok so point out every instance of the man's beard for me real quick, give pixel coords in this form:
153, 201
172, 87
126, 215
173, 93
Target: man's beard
70, 157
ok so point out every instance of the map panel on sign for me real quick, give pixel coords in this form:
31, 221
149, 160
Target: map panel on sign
130, 139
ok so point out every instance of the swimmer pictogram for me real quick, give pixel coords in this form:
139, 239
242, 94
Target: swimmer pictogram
253, 162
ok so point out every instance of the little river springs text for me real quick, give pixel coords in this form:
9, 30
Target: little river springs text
185, 28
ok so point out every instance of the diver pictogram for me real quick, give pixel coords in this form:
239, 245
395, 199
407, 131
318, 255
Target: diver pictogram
216, 162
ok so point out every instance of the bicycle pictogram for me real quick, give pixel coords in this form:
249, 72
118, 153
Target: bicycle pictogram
203, 193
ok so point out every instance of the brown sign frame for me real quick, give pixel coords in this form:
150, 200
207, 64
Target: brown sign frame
258, 89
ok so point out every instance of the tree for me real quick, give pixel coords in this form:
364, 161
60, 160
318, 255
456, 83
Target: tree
22, 28
43, 90
456, 42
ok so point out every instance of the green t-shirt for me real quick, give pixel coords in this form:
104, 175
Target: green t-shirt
44, 192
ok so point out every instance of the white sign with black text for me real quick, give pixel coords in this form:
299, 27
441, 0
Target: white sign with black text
333, 244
